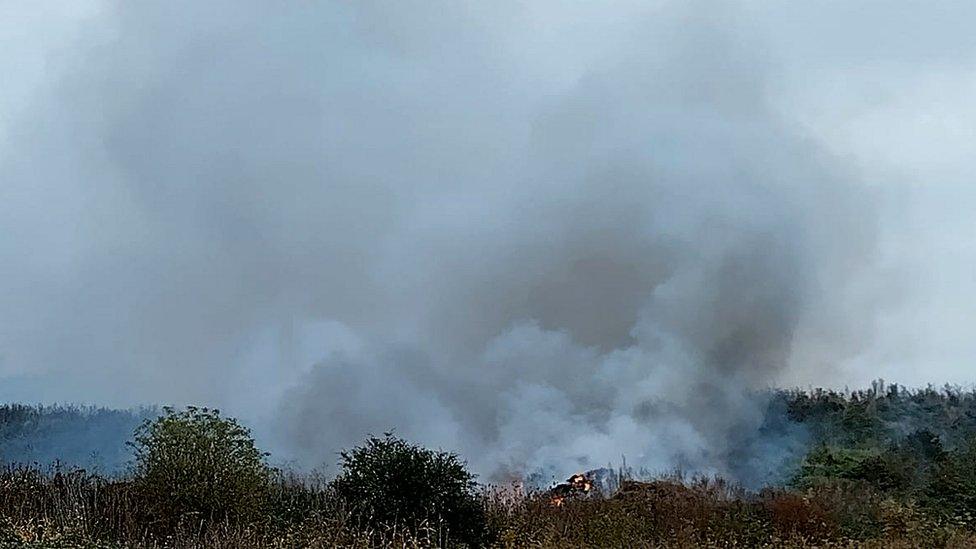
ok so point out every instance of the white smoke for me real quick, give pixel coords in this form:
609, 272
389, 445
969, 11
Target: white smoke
545, 236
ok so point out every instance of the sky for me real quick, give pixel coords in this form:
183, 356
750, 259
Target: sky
542, 234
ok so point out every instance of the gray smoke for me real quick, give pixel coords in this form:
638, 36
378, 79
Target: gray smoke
545, 236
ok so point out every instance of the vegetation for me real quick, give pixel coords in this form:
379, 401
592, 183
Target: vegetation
84, 437
886, 467
196, 465
389, 481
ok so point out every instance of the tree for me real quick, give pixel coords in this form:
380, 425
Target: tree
388, 481
196, 464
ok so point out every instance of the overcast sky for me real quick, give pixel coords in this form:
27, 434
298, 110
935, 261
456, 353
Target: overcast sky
447, 217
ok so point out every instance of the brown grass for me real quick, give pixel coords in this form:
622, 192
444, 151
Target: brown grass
76, 509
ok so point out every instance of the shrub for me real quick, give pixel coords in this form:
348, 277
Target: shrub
389, 482
195, 464
824, 463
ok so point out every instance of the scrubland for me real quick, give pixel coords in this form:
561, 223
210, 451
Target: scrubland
884, 467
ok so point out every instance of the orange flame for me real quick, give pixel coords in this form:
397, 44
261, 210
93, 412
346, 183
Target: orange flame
575, 485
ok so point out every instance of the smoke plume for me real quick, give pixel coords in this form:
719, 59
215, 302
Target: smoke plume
545, 236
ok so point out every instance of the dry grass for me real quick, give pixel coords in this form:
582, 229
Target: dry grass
706, 513
57, 509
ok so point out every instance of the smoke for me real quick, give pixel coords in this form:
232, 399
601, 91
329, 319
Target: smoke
545, 236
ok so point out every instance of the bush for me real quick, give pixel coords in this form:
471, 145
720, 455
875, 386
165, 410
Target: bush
389, 482
824, 463
195, 464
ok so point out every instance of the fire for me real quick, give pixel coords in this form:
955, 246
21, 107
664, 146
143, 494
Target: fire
580, 482
578, 485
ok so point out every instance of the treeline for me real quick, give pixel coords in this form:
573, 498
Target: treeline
73, 436
882, 414
916, 446
795, 421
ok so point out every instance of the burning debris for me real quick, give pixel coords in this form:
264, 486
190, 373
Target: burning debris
578, 486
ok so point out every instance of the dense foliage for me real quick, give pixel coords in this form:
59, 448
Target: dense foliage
389, 481
883, 414
915, 446
196, 464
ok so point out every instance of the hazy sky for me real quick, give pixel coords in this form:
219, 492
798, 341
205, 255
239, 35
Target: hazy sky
484, 222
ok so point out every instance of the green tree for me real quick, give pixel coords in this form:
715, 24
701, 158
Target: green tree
388, 481
195, 464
